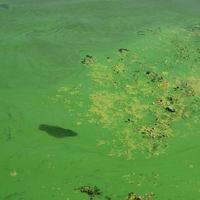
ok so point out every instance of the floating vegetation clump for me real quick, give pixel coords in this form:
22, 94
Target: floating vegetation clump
133, 196
94, 191
138, 98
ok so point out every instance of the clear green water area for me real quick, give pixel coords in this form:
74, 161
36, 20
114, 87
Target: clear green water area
99, 100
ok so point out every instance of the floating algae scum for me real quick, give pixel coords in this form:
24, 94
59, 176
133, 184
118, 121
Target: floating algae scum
99, 100
140, 99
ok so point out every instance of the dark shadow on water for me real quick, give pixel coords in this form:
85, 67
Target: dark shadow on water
56, 131
4, 6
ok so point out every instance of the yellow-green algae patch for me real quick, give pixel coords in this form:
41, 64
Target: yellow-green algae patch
138, 97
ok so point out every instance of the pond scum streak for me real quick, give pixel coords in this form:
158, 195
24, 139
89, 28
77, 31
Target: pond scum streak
139, 99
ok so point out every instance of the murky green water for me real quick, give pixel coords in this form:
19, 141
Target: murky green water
51, 145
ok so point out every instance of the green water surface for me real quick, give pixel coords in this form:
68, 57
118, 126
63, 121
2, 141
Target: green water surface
41, 47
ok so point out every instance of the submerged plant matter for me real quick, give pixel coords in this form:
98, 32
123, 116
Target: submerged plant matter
139, 98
